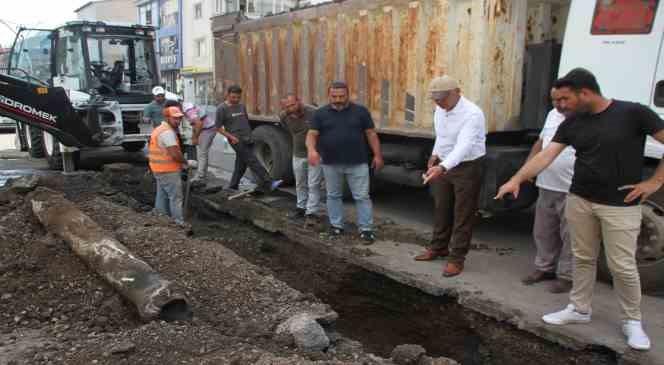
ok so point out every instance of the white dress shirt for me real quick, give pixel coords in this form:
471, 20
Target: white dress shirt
558, 175
460, 133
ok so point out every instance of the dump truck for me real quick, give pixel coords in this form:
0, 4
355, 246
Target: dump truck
506, 54
81, 85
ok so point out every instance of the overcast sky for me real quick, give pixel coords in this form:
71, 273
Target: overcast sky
36, 13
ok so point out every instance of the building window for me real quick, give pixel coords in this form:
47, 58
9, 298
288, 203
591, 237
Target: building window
148, 16
169, 13
201, 47
198, 11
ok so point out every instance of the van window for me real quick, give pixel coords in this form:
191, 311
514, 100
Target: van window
624, 16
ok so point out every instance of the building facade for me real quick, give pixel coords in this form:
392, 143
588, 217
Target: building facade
169, 44
198, 52
254, 8
114, 11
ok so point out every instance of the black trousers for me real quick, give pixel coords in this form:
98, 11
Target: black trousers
244, 157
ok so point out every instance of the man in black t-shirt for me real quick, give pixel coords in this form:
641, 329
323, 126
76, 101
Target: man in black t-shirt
339, 138
603, 205
232, 122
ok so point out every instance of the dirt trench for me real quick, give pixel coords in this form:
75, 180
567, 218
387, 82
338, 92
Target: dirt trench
377, 311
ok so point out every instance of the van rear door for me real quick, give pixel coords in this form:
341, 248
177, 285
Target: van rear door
620, 41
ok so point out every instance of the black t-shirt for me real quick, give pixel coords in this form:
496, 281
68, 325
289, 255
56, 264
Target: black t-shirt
342, 134
609, 150
235, 120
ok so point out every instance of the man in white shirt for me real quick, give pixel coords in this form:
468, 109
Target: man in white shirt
454, 172
554, 255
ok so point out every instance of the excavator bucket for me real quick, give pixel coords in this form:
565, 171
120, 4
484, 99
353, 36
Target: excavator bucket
43, 107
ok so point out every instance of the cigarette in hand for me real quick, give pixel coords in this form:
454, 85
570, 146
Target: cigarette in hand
425, 178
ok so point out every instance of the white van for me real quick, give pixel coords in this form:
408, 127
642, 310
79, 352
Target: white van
620, 41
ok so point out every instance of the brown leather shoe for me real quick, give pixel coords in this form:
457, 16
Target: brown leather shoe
537, 276
452, 269
432, 254
560, 286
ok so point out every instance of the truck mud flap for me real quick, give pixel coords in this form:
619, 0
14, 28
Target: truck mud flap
500, 164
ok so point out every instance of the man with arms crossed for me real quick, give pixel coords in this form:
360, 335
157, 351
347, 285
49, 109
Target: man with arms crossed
603, 204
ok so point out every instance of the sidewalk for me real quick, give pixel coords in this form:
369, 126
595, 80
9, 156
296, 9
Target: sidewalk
490, 283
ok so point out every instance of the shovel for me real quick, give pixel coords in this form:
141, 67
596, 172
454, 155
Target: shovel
191, 164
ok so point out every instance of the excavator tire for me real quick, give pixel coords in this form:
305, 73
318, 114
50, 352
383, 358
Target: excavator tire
51, 148
35, 142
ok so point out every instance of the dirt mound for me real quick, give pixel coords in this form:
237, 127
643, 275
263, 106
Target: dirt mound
56, 310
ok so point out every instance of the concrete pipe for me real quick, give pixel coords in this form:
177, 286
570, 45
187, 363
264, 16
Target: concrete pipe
134, 279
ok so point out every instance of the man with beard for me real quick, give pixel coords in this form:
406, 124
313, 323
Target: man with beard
340, 137
296, 117
603, 205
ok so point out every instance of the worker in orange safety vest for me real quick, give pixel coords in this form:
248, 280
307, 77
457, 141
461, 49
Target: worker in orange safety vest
166, 162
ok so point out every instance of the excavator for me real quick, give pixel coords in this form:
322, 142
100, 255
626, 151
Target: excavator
79, 86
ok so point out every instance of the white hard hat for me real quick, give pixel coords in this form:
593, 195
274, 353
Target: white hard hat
187, 106
158, 90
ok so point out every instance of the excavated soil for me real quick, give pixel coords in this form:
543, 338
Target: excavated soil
56, 310
241, 282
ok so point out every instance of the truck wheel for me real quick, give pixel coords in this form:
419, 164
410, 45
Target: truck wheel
34, 138
273, 150
133, 146
51, 148
649, 252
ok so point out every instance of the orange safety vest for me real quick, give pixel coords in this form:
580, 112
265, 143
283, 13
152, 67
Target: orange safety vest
160, 160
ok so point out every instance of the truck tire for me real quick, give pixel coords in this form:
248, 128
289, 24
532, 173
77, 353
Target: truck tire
272, 148
133, 146
35, 142
51, 148
650, 251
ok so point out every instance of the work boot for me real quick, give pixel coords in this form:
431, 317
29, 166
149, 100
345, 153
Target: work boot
311, 220
560, 286
368, 236
636, 336
452, 269
336, 231
431, 254
538, 276
296, 213
568, 315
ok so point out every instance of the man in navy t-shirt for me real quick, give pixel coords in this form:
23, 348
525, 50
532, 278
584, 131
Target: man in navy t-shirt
340, 138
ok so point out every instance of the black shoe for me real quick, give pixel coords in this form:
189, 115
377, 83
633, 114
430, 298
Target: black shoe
296, 213
336, 231
311, 220
368, 236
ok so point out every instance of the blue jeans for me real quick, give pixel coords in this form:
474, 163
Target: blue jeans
307, 185
357, 177
169, 195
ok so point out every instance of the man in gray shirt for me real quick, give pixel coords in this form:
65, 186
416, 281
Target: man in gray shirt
153, 112
296, 117
232, 122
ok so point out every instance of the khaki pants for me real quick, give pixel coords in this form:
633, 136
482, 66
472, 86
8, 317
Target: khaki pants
618, 228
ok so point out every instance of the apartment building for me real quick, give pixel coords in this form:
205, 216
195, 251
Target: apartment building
114, 11
198, 52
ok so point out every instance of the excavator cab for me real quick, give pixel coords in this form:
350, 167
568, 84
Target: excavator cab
97, 75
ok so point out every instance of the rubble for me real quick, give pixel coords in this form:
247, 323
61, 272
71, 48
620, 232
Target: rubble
73, 316
307, 333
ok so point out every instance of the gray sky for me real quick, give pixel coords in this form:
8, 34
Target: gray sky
36, 13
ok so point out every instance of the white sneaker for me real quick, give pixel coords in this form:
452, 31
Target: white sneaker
636, 337
566, 316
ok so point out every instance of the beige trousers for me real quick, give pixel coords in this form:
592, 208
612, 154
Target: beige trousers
618, 228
